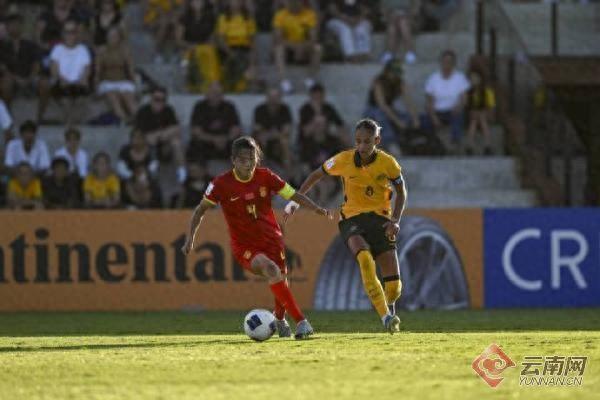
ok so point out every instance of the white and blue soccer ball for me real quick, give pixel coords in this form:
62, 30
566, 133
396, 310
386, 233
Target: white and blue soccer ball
259, 324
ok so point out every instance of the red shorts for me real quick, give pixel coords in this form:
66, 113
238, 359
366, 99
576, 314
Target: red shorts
244, 256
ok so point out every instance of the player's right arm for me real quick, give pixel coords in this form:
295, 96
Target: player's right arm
199, 211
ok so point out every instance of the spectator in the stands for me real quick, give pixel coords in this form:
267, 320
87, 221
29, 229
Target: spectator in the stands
195, 185
141, 190
159, 124
350, 23
7, 8
101, 188
390, 103
51, 22
296, 40
20, 66
215, 124
481, 102
115, 75
24, 189
77, 158
136, 153
160, 16
107, 17
195, 38
435, 12
70, 72
6, 123
28, 148
236, 29
399, 15
322, 133
272, 129
446, 97
61, 188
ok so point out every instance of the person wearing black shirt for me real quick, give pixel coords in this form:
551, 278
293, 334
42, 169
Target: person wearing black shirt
20, 65
158, 122
195, 185
61, 189
215, 125
272, 129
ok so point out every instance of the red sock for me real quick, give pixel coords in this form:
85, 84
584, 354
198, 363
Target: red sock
279, 309
284, 296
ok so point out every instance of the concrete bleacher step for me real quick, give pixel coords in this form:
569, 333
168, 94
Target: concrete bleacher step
461, 173
472, 198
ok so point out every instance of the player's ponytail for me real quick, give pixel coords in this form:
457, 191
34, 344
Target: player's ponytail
246, 143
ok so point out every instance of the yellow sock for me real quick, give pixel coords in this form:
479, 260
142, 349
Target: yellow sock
371, 283
393, 289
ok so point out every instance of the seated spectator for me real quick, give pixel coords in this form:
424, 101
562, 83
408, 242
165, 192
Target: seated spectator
481, 102
446, 97
321, 135
61, 188
136, 153
236, 28
349, 22
194, 36
70, 71
108, 16
272, 130
296, 40
158, 122
51, 22
400, 14
141, 191
25, 189
28, 148
6, 123
215, 124
20, 66
101, 188
160, 17
115, 74
76, 157
390, 104
195, 184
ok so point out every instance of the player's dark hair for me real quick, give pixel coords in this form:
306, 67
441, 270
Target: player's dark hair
245, 143
369, 125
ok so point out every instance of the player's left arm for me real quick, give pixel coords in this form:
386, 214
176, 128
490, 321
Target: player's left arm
395, 175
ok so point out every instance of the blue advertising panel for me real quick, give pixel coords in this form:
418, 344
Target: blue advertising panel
541, 257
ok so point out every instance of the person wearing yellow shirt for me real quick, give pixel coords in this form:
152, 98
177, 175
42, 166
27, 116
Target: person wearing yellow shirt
160, 17
101, 188
25, 189
369, 223
236, 30
296, 34
481, 102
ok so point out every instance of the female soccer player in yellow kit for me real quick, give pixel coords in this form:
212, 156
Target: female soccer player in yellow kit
368, 225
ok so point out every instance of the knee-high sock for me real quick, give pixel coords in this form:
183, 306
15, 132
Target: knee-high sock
392, 286
371, 283
282, 293
279, 311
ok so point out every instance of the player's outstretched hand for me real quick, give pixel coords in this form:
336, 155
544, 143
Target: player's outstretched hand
289, 210
391, 229
325, 212
187, 247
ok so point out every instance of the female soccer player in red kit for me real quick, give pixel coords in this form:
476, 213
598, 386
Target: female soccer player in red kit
244, 193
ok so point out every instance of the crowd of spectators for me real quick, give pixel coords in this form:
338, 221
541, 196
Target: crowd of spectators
80, 49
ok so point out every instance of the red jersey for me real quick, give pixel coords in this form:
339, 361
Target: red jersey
247, 208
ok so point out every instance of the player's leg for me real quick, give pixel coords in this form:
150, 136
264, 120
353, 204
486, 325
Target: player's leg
368, 273
390, 273
263, 265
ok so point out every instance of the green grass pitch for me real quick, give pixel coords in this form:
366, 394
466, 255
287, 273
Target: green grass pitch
206, 356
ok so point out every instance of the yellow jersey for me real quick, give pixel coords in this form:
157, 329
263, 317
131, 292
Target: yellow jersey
237, 31
32, 191
368, 187
295, 27
99, 189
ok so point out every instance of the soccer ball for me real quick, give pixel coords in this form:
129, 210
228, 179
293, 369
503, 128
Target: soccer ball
259, 324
